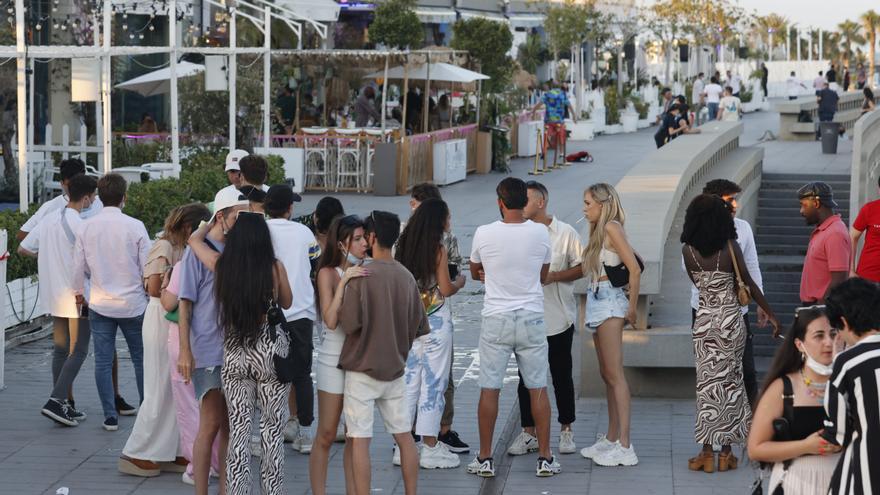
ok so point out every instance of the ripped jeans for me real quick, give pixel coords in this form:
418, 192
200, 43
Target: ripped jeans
427, 373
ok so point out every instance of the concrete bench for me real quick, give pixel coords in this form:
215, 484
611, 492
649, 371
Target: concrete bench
848, 111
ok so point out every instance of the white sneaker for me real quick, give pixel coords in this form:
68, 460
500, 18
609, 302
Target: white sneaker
602, 445
340, 431
523, 444
484, 469
303, 441
256, 448
438, 457
187, 479
395, 456
547, 468
618, 456
291, 430
566, 442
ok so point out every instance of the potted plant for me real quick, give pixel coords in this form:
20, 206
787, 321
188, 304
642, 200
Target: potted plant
583, 129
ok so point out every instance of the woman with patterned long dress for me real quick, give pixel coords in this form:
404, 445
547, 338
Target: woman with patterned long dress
723, 413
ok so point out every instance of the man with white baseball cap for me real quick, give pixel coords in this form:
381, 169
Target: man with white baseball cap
233, 171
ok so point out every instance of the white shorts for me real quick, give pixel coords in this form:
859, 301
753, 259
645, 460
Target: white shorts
363, 392
329, 378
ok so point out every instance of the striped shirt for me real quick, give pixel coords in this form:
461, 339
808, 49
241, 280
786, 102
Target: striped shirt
852, 404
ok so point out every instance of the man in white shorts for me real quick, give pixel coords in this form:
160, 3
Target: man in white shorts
512, 257
381, 315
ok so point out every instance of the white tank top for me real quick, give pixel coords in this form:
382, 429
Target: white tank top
332, 340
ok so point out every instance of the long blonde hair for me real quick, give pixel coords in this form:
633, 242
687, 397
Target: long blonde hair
611, 211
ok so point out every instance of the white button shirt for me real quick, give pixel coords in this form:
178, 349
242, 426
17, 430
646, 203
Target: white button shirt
746, 240
111, 250
55, 204
560, 309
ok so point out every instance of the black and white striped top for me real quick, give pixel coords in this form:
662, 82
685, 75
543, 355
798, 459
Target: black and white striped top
852, 403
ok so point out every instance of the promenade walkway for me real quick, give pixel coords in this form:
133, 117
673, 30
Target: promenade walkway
37, 456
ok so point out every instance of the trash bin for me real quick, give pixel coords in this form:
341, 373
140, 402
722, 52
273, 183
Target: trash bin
829, 132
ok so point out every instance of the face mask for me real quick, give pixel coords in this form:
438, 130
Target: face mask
352, 259
816, 366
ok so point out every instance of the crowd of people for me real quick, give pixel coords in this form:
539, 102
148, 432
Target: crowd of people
219, 312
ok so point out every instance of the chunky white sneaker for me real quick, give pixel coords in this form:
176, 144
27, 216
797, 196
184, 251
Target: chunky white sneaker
547, 467
618, 456
602, 445
438, 457
256, 448
484, 468
303, 441
187, 479
523, 444
395, 456
566, 442
291, 430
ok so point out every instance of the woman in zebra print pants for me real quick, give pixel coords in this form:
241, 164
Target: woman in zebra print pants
248, 279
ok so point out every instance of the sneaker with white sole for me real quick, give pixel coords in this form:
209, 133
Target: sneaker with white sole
547, 467
256, 447
59, 411
602, 445
438, 457
395, 455
291, 430
566, 442
523, 444
484, 468
187, 479
618, 456
303, 441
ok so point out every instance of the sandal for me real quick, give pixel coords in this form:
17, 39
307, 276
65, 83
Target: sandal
727, 461
704, 461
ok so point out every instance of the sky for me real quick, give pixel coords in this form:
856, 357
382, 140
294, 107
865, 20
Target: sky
825, 14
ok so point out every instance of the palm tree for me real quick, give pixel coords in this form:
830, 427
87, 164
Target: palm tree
850, 34
871, 24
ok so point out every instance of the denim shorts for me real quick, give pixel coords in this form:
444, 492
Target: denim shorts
604, 301
206, 379
520, 332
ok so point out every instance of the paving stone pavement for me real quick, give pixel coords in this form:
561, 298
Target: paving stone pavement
37, 456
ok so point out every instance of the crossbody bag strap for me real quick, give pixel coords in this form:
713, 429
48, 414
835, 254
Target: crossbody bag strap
787, 408
65, 226
735, 264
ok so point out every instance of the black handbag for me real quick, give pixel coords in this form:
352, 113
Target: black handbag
618, 275
283, 356
782, 427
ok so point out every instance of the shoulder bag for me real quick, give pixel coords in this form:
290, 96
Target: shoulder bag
743, 294
283, 357
618, 275
781, 433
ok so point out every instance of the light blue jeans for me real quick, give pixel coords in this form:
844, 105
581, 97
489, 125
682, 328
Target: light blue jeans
104, 339
427, 373
518, 332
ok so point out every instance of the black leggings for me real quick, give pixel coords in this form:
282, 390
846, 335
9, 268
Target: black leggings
559, 355
300, 332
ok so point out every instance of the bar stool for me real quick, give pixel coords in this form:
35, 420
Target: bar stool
374, 137
317, 156
348, 156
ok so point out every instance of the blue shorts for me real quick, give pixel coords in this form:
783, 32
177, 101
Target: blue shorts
522, 333
206, 379
604, 301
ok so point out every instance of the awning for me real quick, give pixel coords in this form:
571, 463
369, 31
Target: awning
435, 15
526, 20
159, 81
441, 72
316, 10
492, 16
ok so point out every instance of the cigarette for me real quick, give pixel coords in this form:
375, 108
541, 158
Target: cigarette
581, 220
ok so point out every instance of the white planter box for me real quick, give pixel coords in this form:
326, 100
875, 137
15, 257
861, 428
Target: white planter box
629, 121
527, 140
581, 131
597, 115
22, 302
450, 161
613, 129
643, 123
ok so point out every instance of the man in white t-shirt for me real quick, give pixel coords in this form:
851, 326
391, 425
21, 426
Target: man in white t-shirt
295, 246
793, 86
560, 312
697, 101
52, 242
735, 83
730, 108
712, 93
67, 170
512, 257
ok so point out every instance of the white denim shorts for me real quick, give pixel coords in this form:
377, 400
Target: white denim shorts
604, 301
362, 392
519, 332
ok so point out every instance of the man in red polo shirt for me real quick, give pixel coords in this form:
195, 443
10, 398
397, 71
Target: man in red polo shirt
868, 221
828, 255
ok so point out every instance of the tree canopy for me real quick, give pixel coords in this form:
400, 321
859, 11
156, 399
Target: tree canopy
488, 42
396, 25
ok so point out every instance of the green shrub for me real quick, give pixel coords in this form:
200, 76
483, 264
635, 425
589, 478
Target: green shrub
18, 266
